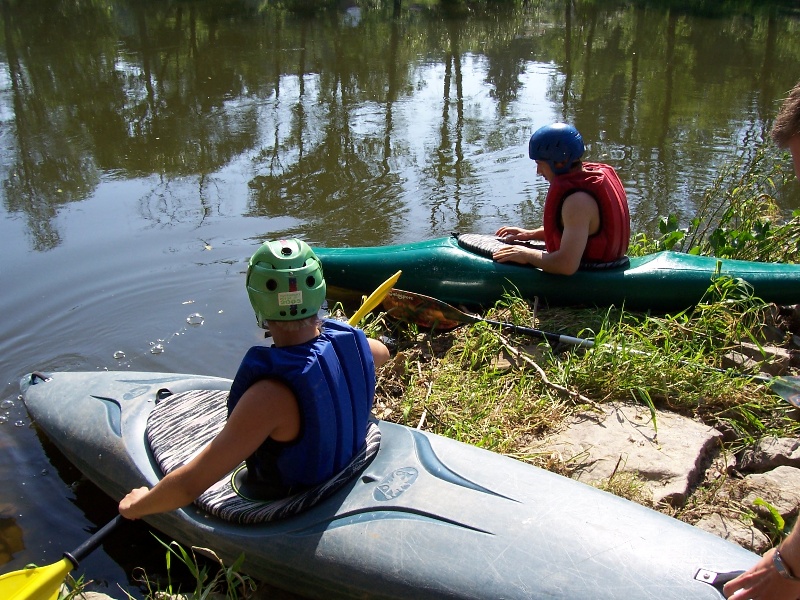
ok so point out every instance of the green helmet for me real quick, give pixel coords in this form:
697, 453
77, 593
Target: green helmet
285, 282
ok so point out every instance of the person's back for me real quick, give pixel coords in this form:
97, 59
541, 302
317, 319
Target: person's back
289, 404
609, 241
333, 380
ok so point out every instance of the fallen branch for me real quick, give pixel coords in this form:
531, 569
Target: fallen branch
560, 388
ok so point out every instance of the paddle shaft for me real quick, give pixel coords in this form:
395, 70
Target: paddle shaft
428, 310
552, 338
411, 306
87, 547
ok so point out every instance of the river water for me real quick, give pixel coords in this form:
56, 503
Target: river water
149, 147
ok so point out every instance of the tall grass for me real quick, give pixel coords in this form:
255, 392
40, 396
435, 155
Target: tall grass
209, 578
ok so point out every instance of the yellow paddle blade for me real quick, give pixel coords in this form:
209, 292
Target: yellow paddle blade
35, 583
374, 299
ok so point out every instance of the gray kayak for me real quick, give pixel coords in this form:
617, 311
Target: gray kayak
428, 517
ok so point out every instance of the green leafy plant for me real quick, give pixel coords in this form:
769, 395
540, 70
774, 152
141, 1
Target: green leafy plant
225, 581
776, 523
737, 217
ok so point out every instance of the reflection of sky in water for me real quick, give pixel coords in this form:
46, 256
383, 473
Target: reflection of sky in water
7, 128
444, 162
6, 110
493, 144
424, 131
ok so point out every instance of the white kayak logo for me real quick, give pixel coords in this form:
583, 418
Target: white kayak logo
395, 483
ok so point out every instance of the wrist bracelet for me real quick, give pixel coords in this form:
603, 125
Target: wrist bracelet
781, 567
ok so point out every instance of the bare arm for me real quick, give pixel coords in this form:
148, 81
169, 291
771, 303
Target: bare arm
380, 353
581, 218
763, 582
267, 408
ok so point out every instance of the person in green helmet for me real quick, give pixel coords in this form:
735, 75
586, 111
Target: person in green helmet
297, 410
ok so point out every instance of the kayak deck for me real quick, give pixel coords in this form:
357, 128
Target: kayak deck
441, 268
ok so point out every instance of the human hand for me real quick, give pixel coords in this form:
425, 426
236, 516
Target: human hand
762, 582
510, 233
516, 254
127, 506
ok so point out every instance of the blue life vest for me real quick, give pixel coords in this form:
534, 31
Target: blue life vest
333, 380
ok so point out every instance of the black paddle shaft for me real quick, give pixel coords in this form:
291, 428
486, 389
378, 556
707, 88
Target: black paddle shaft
553, 338
412, 306
93, 542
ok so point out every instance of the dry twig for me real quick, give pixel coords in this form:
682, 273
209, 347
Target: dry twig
528, 360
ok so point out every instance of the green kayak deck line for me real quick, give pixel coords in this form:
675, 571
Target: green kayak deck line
441, 268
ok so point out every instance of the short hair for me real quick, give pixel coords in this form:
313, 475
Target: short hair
787, 123
294, 325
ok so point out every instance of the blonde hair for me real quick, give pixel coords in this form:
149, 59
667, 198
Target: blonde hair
787, 123
297, 325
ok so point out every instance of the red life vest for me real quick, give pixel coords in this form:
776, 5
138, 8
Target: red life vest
601, 183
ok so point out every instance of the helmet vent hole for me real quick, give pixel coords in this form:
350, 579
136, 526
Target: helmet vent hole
286, 251
311, 281
272, 285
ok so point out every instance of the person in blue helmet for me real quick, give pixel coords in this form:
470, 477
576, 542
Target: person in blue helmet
298, 410
586, 218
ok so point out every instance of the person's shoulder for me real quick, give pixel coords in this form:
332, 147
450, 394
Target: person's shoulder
269, 385
598, 167
579, 199
336, 325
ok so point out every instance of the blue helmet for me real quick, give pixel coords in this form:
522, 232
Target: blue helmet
557, 143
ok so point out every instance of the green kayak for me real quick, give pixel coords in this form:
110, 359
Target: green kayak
459, 270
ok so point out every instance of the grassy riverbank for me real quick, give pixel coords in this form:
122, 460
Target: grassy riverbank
503, 391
